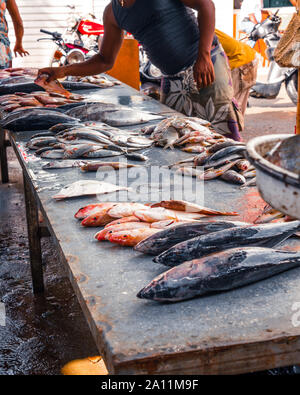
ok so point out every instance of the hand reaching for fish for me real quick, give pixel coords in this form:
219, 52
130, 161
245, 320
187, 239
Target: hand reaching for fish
53, 73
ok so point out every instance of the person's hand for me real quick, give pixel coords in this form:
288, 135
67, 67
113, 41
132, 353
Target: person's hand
54, 73
19, 50
204, 73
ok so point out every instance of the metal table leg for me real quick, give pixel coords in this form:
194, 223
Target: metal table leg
34, 237
3, 157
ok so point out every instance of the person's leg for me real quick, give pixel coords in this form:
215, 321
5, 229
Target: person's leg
214, 103
243, 78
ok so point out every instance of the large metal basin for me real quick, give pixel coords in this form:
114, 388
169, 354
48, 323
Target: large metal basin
277, 186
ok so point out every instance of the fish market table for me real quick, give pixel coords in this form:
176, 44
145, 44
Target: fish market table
248, 329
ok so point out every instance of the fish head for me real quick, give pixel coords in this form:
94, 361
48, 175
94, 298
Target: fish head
123, 238
94, 218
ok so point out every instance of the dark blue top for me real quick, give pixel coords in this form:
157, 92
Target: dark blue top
167, 30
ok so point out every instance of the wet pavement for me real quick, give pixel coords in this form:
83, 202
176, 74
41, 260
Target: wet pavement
41, 334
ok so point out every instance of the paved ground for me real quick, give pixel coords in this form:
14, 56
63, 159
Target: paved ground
42, 334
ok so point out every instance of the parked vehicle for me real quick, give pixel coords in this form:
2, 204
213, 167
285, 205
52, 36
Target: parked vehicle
268, 31
65, 52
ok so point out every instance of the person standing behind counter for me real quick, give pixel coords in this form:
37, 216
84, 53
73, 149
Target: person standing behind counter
5, 52
197, 80
243, 64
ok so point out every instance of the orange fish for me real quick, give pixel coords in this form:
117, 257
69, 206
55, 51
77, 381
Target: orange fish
161, 214
51, 87
104, 233
84, 212
131, 238
99, 218
123, 220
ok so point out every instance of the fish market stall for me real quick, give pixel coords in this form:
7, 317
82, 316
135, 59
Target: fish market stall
246, 329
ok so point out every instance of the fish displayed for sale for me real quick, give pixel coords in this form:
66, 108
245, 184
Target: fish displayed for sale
87, 187
234, 177
63, 164
91, 111
161, 214
123, 220
167, 238
213, 173
96, 166
106, 232
219, 272
182, 205
98, 217
36, 119
227, 151
86, 211
136, 156
53, 86
131, 237
53, 154
266, 235
126, 209
128, 117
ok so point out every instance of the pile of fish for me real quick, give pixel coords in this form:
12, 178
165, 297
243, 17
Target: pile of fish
204, 255
130, 223
218, 260
217, 155
19, 100
87, 141
17, 75
100, 80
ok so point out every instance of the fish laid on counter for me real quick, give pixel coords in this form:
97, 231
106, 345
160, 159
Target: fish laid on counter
112, 114
182, 205
52, 87
104, 233
161, 214
87, 187
36, 119
128, 117
96, 166
234, 177
219, 272
107, 214
168, 238
132, 237
266, 235
86, 211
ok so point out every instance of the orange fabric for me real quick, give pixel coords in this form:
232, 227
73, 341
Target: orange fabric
126, 68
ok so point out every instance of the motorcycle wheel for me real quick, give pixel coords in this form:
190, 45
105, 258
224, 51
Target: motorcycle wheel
291, 85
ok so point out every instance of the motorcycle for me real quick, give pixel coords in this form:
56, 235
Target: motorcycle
268, 31
79, 41
66, 52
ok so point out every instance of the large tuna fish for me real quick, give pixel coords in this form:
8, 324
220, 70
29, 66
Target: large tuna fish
219, 272
167, 238
266, 235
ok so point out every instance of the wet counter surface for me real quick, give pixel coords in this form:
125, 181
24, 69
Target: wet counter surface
247, 329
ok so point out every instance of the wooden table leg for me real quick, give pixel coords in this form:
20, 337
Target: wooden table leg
34, 238
3, 157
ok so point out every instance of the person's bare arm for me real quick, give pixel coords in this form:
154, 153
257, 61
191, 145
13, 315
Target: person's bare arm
253, 19
18, 27
294, 2
103, 61
203, 69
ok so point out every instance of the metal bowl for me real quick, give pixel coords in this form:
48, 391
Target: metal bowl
277, 186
